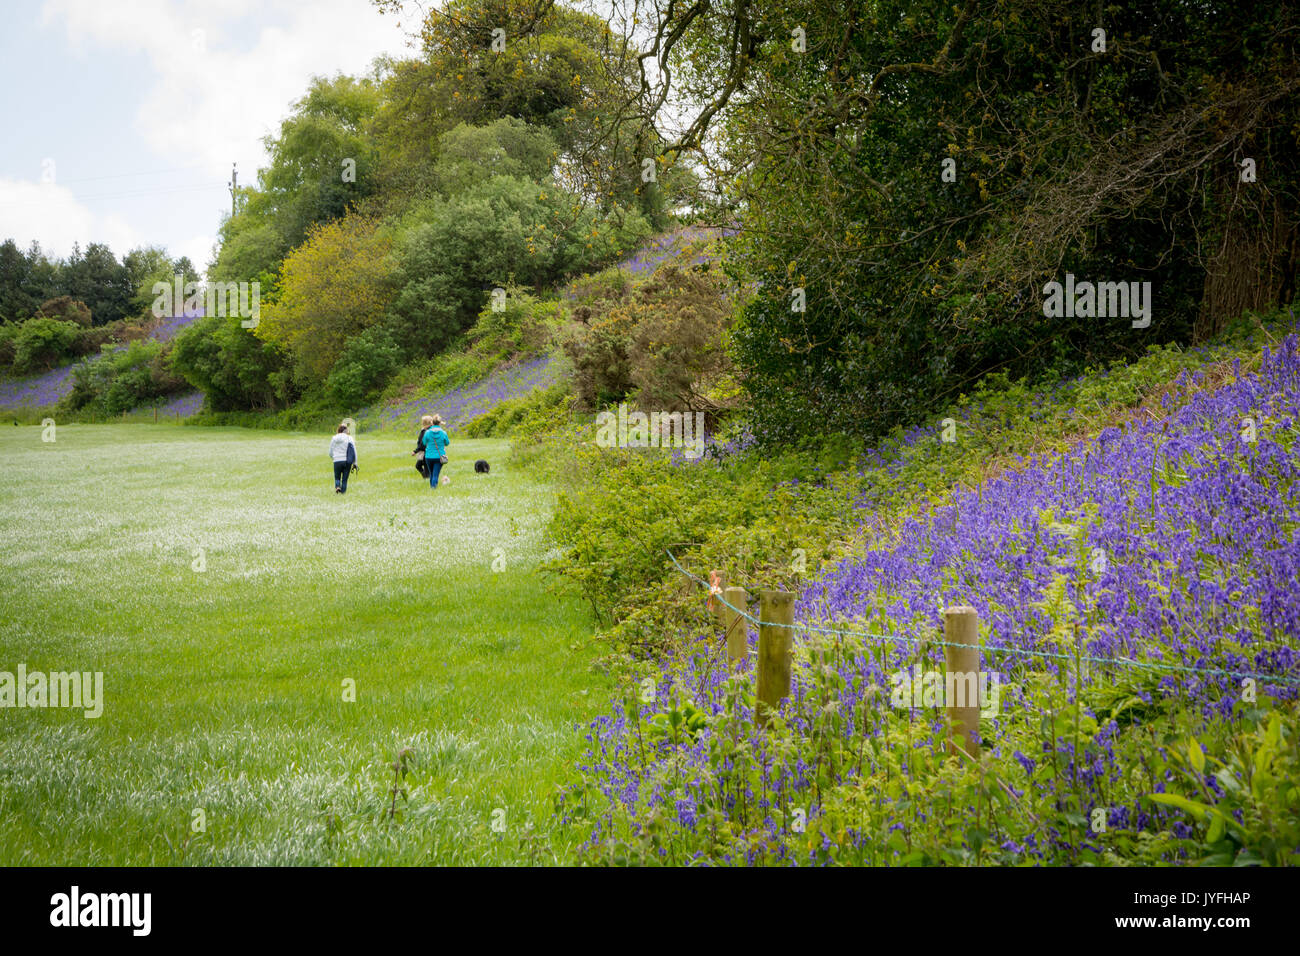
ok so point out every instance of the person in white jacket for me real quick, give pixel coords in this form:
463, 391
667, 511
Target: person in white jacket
343, 451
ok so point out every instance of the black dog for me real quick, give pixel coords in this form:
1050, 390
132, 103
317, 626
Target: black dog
481, 467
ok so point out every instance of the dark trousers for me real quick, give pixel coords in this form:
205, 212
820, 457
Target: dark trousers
435, 469
341, 470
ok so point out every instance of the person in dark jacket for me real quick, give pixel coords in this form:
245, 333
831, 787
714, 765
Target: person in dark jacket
435, 443
421, 465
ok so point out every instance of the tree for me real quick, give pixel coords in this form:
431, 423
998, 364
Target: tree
99, 280
501, 230
322, 161
145, 266
233, 368
908, 177
16, 301
26, 280
548, 65
333, 286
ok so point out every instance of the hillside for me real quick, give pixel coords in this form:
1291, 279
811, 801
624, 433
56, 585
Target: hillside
1134, 584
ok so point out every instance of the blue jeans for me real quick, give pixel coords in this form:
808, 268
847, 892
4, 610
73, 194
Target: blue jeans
435, 469
341, 470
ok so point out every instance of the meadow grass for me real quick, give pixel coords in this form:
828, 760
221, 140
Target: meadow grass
226, 593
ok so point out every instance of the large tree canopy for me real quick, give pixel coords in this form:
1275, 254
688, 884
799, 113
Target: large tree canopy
335, 285
908, 176
322, 161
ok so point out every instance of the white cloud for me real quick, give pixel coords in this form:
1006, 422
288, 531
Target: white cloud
217, 93
51, 214
198, 248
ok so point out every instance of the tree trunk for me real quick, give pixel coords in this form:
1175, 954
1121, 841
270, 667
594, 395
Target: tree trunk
1255, 256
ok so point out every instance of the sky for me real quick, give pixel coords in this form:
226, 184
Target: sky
120, 119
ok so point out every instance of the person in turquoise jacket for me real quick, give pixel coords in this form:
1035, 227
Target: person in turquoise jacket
435, 443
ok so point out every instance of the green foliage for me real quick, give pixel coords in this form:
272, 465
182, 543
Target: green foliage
536, 413
41, 344
662, 340
26, 279
498, 232
520, 330
144, 267
619, 509
368, 360
1109, 166
231, 366
96, 278
519, 325
562, 71
309, 180
332, 287
121, 380
890, 794
65, 309
8, 335
1252, 816
469, 155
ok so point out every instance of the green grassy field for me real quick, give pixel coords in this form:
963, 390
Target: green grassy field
227, 594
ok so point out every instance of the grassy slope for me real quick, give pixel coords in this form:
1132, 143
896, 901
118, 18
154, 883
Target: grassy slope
224, 687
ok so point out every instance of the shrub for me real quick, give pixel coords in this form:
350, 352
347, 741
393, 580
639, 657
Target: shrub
233, 368
43, 343
530, 414
66, 309
663, 339
367, 362
119, 381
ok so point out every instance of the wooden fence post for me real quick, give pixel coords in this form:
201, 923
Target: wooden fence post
717, 585
775, 637
961, 625
735, 626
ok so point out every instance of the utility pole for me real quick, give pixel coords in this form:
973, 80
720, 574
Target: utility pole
233, 184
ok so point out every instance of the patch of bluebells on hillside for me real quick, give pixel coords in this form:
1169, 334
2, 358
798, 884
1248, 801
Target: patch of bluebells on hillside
182, 406
1180, 571
168, 327
41, 391
38, 391
1213, 555
461, 406
715, 448
652, 254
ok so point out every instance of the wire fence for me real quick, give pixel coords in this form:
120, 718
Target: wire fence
1161, 667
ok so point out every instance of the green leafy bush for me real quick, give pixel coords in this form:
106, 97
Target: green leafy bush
121, 380
66, 309
42, 343
367, 362
531, 415
233, 368
662, 341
